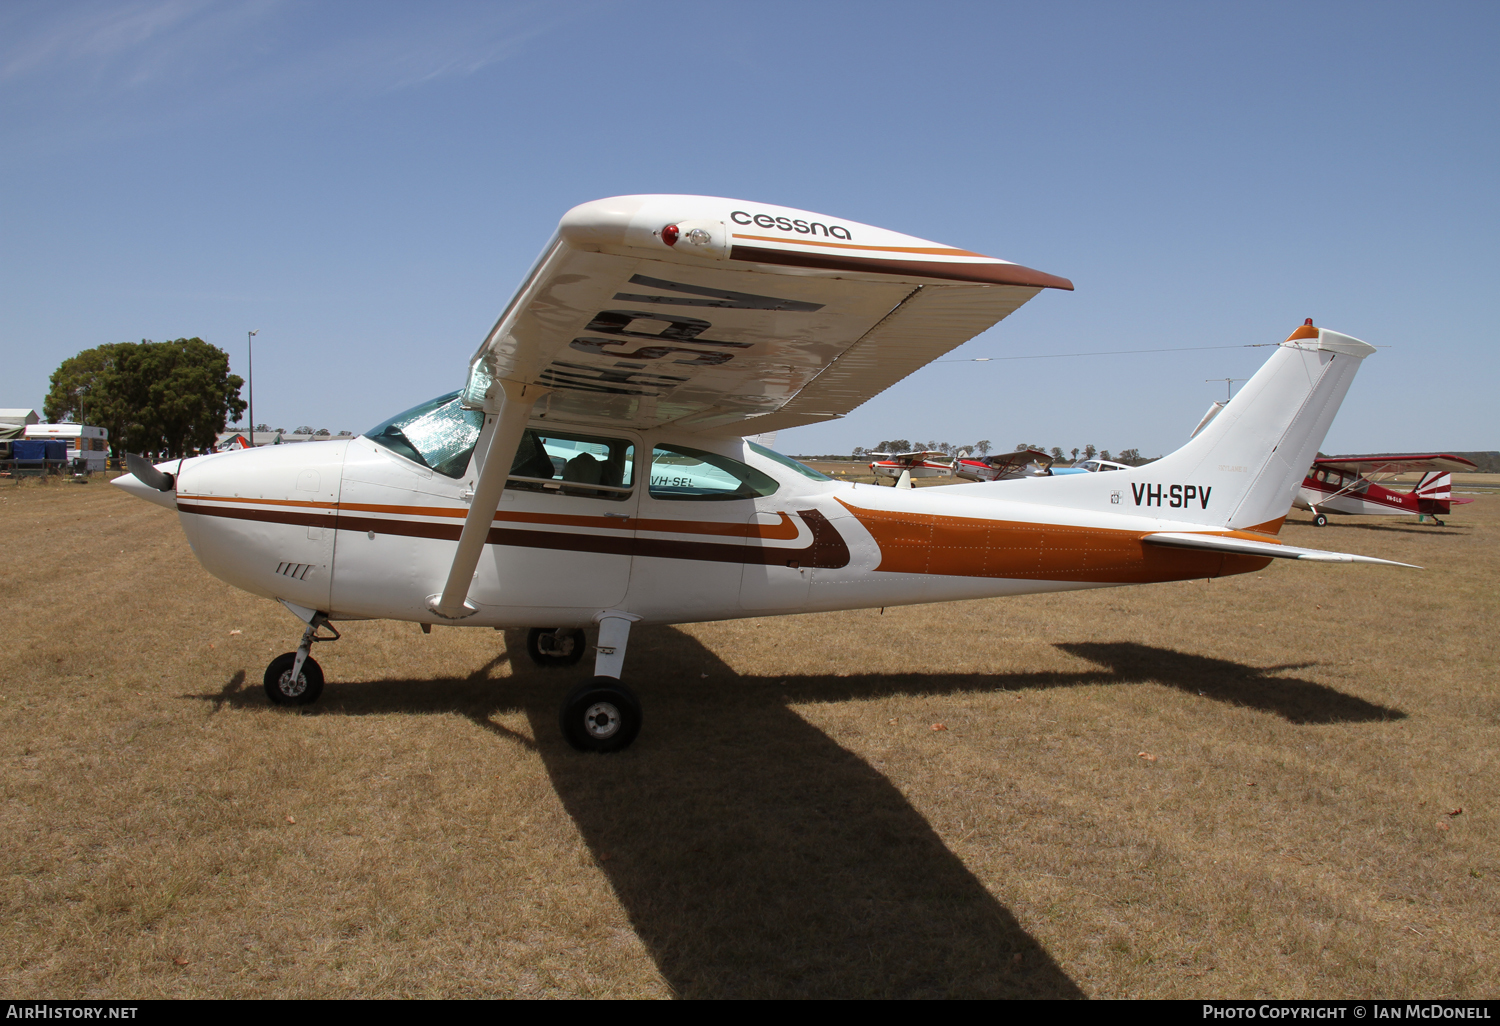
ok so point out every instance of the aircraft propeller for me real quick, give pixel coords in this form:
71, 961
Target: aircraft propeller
147, 474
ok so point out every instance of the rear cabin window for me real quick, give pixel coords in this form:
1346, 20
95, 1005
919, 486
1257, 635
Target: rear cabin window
678, 472
569, 464
788, 462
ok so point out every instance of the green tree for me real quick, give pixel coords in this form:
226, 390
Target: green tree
171, 398
86, 389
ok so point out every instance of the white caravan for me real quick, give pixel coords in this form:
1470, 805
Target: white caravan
89, 443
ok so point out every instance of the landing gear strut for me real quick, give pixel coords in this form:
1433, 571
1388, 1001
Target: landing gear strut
603, 715
294, 678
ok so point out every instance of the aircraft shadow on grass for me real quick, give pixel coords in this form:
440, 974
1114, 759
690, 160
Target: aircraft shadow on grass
754, 855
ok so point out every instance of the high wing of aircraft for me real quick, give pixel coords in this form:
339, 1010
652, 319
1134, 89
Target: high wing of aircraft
1341, 484
593, 473
1004, 466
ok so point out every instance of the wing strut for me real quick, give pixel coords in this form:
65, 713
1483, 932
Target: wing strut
453, 603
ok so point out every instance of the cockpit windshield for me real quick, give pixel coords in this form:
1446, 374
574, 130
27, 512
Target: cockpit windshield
439, 434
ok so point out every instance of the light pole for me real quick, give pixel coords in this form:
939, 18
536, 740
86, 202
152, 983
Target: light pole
250, 353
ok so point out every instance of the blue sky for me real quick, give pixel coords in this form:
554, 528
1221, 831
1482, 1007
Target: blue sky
366, 184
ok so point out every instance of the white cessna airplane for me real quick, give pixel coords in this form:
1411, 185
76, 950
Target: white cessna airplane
594, 470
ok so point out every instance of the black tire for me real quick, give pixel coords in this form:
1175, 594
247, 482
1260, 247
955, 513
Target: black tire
601, 715
564, 645
1320, 520
279, 688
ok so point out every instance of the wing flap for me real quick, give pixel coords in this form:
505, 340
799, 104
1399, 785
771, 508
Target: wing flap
1247, 547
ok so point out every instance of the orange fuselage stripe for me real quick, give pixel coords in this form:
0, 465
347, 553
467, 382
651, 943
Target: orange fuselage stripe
923, 543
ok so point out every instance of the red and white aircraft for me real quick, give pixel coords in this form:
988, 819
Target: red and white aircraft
903, 466
593, 471
1005, 466
1339, 484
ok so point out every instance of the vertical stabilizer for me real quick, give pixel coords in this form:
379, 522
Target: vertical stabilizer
1243, 466
1262, 443
1435, 484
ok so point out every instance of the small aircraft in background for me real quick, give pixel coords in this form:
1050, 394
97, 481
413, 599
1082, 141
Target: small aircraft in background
1339, 484
1091, 467
1005, 466
908, 465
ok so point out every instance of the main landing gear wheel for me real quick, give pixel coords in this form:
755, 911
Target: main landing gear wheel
601, 715
555, 646
1320, 520
282, 690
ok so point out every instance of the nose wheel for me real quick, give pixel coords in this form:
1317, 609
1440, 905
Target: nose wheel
283, 689
295, 678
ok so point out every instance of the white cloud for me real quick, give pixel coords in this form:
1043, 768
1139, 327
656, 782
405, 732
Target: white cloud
84, 74
252, 45
130, 42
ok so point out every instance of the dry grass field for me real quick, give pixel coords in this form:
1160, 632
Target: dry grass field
1249, 787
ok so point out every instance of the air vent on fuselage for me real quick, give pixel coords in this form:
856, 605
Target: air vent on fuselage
296, 571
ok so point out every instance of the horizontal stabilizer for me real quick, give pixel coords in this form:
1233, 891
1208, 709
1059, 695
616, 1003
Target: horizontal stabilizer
1246, 547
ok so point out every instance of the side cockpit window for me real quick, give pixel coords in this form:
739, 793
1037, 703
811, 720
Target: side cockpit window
569, 464
439, 434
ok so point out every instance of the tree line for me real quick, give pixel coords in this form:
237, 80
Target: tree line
165, 399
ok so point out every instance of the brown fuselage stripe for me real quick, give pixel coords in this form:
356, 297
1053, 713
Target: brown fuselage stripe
264, 516
826, 550
988, 274
786, 530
